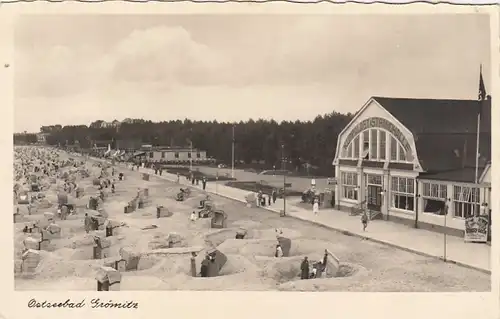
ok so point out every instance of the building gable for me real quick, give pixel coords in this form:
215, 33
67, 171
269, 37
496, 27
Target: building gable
373, 115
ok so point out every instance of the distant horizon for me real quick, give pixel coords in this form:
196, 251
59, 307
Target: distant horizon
232, 68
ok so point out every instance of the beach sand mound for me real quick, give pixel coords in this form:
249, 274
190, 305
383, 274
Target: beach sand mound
344, 276
160, 241
246, 224
267, 247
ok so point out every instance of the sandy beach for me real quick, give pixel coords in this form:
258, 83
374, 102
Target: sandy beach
163, 246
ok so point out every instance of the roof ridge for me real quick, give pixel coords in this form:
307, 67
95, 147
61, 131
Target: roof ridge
423, 99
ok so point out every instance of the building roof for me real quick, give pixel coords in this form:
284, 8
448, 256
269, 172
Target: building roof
423, 116
465, 175
445, 132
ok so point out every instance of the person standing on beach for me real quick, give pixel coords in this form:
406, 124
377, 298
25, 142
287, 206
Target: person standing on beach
304, 269
204, 266
193, 264
87, 223
279, 251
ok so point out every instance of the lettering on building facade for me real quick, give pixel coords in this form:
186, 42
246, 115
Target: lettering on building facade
378, 122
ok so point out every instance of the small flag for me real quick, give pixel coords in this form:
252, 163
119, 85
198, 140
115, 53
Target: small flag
482, 90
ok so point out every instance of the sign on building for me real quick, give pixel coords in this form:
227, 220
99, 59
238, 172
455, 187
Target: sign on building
476, 229
332, 181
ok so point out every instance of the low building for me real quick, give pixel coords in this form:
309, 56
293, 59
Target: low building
41, 137
411, 160
172, 155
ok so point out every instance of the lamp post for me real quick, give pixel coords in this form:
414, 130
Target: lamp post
191, 156
445, 211
284, 177
232, 156
217, 181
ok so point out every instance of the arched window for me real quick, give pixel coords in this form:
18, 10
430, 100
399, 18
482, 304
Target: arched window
376, 145
381, 145
402, 154
373, 144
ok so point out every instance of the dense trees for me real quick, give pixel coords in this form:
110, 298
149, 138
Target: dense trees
24, 138
311, 142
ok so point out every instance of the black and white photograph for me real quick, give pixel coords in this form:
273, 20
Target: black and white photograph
253, 152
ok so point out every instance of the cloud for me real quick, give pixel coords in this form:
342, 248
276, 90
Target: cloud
241, 66
168, 55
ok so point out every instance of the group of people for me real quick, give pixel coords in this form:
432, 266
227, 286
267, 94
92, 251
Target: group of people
316, 270
195, 180
209, 261
266, 200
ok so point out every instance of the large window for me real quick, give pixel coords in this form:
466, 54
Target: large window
373, 144
381, 151
189, 154
466, 201
403, 196
372, 179
402, 154
176, 154
356, 147
349, 185
366, 144
162, 154
394, 149
434, 196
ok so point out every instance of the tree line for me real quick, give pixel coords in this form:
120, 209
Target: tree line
302, 143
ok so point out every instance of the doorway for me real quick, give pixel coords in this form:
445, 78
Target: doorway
374, 198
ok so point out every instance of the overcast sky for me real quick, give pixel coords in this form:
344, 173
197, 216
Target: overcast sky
78, 68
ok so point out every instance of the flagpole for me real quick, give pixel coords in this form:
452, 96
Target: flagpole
481, 97
477, 146
191, 151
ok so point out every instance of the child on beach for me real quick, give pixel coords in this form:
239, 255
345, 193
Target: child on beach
193, 216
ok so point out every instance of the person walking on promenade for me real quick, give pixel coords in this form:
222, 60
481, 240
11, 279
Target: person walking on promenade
274, 194
316, 207
204, 182
364, 220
